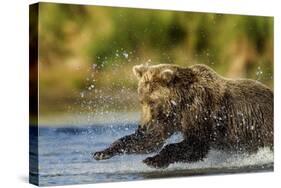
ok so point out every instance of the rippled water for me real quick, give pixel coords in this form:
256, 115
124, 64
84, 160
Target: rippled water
65, 158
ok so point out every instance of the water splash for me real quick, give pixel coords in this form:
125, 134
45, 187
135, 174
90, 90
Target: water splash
215, 159
69, 159
259, 73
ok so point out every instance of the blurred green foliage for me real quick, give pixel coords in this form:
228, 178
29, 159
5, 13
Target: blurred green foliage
73, 38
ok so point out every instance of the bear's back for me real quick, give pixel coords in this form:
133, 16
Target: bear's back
248, 108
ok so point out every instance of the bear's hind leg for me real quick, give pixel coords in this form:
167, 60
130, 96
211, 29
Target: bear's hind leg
185, 151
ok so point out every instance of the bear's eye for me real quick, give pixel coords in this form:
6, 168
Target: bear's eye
151, 103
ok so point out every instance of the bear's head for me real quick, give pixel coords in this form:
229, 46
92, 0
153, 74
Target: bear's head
159, 91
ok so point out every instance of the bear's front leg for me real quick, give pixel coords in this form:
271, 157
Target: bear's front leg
103, 155
142, 141
185, 151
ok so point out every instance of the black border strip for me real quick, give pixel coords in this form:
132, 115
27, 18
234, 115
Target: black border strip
33, 94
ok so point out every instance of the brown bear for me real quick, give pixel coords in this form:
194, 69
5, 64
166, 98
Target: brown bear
209, 110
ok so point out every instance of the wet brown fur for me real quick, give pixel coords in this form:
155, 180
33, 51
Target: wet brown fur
208, 109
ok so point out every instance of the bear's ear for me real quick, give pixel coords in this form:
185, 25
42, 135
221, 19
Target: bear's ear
167, 75
139, 70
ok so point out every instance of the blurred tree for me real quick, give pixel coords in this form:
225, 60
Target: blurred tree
73, 37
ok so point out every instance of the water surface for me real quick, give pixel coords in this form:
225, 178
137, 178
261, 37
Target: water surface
65, 158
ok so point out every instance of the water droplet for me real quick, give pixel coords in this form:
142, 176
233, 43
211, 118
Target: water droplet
125, 54
94, 66
173, 102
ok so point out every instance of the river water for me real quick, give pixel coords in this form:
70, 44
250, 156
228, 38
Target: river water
65, 158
